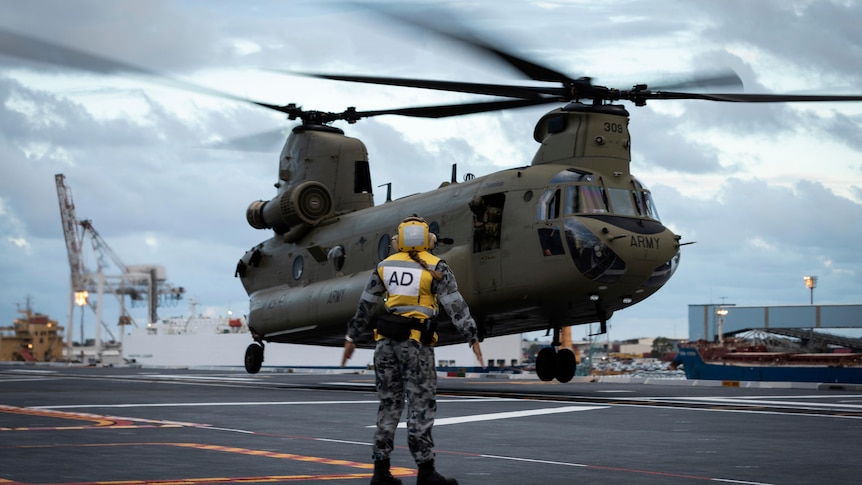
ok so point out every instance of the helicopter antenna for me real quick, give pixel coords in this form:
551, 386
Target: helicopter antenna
454, 173
388, 191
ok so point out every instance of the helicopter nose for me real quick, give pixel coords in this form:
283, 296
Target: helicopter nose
592, 256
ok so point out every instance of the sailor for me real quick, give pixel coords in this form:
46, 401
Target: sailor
414, 284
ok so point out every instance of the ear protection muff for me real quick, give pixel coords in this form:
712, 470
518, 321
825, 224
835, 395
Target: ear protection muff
413, 235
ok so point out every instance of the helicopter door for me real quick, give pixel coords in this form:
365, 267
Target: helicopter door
487, 231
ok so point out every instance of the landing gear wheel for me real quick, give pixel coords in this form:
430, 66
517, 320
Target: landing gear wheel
254, 358
546, 364
565, 365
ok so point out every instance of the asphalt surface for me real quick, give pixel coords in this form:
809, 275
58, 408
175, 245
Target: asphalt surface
128, 426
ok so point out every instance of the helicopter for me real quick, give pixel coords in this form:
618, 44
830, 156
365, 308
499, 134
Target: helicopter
568, 238
586, 228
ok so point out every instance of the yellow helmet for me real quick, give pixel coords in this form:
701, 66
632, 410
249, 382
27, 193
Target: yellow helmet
413, 235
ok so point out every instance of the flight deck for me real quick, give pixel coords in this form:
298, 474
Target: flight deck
111, 426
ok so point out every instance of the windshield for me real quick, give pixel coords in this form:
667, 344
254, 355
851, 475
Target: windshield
622, 202
575, 192
585, 199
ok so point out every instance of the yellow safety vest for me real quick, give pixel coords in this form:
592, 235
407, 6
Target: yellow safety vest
408, 287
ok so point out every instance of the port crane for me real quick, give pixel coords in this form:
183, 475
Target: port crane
143, 284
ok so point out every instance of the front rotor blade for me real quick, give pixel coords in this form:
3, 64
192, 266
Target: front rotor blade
752, 98
460, 34
523, 92
713, 80
444, 111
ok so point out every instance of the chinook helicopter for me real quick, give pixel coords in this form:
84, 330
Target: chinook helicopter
587, 229
576, 216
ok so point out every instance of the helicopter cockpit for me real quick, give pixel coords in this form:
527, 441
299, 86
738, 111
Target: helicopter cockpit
581, 192
576, 203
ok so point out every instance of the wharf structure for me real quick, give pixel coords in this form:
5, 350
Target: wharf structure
713, 322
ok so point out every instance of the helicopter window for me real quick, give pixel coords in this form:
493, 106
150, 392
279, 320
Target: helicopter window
336, 257
644, 200
585, 199
383, 247
649, 205
572, 175
549, 205
297, 267
622, 202
557, 124
487, 221
639, 203
551, 241
361, 177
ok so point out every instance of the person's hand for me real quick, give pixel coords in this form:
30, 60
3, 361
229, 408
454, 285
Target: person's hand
349, 347
477, 351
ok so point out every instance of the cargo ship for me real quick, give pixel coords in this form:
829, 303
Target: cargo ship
208, 341
33, 338
740, 360
211, 341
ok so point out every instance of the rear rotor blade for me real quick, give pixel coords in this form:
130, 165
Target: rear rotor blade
29, 48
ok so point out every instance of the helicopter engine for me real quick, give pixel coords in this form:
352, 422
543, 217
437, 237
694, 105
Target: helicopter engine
321, 172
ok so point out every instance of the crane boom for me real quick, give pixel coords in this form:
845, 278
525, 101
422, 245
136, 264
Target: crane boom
71, 232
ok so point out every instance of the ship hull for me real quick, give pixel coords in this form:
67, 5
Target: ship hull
780, 370
203, 343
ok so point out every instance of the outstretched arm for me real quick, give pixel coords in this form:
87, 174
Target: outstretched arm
359, 324
455, 306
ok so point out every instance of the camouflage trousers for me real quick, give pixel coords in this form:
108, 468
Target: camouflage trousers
405, 369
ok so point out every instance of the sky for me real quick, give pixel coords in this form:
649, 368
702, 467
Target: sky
769, 192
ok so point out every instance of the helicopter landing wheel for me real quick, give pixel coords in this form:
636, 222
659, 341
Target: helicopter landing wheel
254, 357
566, 364
546, 364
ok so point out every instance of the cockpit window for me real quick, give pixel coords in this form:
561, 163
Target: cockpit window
649, 206
622, 202
579, 192
643, 199
549, 205
572, 175
585, 199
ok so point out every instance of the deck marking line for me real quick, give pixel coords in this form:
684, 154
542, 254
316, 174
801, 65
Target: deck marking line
506, 415
367, 467
251, 403
802, 404
582, 465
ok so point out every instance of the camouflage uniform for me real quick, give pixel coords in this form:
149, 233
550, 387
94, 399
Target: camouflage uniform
408, 368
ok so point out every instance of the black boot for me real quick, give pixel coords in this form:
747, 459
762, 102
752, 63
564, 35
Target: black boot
382, 475
429, 476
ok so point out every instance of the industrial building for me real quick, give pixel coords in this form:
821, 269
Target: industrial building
714, 322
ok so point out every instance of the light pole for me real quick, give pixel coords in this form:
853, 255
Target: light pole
811, 283
721, 312
81, 300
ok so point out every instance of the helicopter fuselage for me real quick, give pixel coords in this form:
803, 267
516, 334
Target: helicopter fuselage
557, 243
